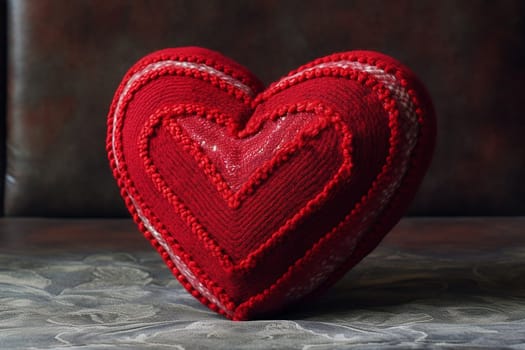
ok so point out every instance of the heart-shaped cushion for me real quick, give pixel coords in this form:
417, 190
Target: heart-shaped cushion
257, 198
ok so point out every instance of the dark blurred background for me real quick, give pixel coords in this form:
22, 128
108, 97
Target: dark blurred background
65, 59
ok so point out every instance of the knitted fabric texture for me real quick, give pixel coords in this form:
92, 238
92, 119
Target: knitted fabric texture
259, 198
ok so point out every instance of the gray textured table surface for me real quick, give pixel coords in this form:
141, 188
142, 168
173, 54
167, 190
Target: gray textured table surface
433, 283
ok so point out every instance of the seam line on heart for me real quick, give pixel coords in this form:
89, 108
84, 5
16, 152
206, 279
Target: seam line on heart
168, 114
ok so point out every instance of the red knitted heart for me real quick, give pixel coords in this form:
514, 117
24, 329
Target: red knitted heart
258, 198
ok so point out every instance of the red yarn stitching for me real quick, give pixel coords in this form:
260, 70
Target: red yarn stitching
389, 105
174, 55
167, 117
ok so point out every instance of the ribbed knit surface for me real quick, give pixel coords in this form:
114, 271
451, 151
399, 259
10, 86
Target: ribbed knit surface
259, 198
